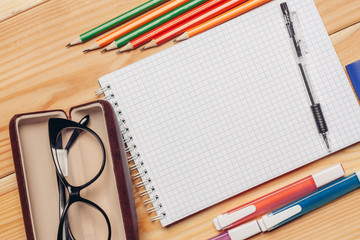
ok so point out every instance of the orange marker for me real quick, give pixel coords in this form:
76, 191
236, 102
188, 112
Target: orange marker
132, 25
137, 42
278, 198
166, 36
243, 8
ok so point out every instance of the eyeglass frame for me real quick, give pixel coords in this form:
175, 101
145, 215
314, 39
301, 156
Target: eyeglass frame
56, 125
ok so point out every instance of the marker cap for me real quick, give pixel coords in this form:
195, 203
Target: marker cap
328, 175
222, 220
244, 231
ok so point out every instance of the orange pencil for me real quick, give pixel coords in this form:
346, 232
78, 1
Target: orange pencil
137, 42
166, 36
243, 8
132, 25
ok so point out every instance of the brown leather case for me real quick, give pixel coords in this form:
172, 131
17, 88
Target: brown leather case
36, 177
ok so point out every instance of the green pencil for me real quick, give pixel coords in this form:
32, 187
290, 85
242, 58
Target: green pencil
116, 21
153, 24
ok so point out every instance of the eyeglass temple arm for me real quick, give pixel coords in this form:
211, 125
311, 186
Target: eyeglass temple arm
62, 198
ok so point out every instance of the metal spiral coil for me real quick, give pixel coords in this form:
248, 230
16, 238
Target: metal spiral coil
158, 217
151, 200
146, 192
136, 166
154, 209
128, 139
103, 90
134, 157
143, 183
139, 175
109, 97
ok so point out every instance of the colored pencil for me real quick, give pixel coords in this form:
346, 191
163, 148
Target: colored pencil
166, 36
135, 43
116, 21
134, 24
153, 24
243, 8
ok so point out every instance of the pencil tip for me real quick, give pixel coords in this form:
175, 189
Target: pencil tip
86, 51
151, 44
182, 37
69, 45
128, 47
118, 52
104, 50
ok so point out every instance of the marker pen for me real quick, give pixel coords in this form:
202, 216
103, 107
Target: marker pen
278, 198
294, 210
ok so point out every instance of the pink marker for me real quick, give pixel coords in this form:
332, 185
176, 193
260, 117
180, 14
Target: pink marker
278, 198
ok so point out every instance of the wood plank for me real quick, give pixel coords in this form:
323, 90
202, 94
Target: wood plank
11, 222
10, 8
346, 43
6, 162
339, 14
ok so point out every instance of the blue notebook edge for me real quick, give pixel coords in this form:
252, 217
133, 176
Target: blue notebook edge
353, 70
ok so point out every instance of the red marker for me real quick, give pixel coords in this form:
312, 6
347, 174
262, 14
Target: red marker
277, 198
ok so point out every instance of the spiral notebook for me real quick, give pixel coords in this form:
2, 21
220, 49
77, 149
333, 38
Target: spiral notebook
225, 111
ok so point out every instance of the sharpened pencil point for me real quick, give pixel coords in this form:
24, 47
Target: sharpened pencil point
118, 52
76, 41
104, 50
182, 37
151, 44
86, 50
127, 47
112, 46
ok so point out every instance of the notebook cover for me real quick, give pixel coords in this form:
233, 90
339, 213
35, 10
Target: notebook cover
353, 70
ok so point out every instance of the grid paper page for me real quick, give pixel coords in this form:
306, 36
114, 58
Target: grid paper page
227, 110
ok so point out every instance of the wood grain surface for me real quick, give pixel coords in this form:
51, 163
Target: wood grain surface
37, 73
10, 8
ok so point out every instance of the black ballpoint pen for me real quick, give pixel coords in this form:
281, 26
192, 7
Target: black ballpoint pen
315, 107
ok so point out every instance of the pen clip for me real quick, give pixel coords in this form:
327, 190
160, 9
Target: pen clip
296, 24
291, 19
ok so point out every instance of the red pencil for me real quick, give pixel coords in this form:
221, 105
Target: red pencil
137, 42
196, 20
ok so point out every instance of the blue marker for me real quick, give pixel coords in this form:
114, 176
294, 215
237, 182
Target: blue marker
298, 208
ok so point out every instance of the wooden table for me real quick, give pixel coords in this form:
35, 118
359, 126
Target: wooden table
37, 73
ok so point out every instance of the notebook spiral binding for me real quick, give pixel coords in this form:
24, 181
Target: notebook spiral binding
134, 158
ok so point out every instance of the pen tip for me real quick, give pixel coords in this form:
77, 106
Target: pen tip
327, 145
326, 140
104, 50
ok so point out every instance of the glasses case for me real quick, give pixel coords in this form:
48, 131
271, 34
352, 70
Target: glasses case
36, 175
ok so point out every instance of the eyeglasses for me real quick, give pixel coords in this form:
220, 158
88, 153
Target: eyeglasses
78, 165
